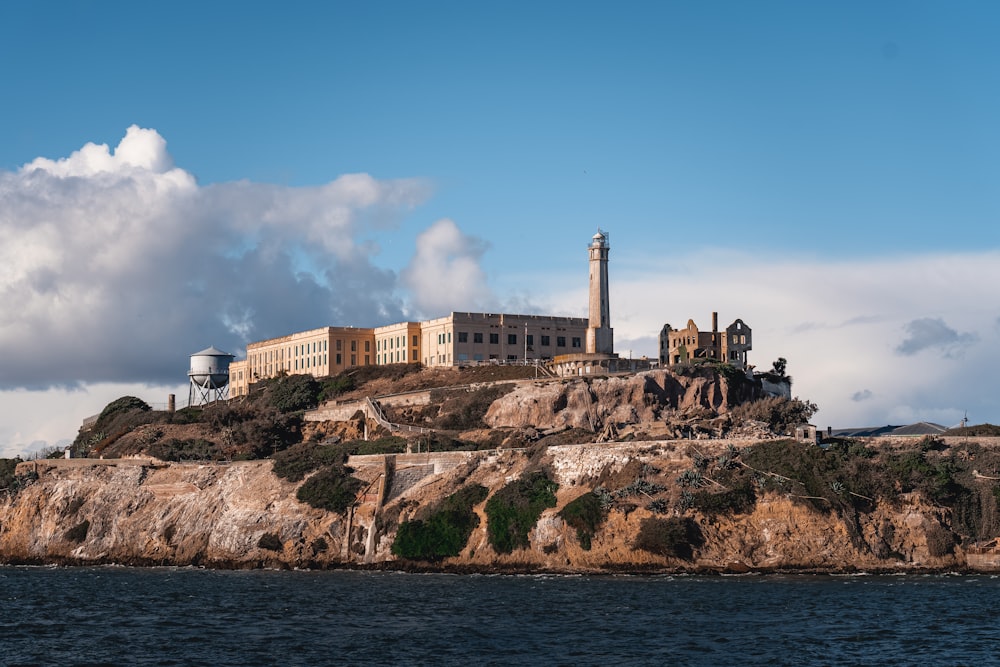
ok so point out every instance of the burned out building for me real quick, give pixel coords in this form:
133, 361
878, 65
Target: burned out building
680, 346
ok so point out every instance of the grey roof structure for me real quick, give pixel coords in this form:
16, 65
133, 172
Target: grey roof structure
917, 429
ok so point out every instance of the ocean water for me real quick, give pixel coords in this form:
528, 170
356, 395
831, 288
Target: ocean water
186, 616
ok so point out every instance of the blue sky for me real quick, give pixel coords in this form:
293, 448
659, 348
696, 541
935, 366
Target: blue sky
840, 143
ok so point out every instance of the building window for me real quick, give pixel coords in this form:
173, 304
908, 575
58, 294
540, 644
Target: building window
512, 339
368, 346
576, 342
338, 345
545, 341
354, 346
530, 339
415, 343
511, 357
494, 339
354, 360
477, 338
368, 359
338, 358
560, 341
463, 337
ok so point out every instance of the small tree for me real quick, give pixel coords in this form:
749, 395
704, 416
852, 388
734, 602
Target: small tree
779, 366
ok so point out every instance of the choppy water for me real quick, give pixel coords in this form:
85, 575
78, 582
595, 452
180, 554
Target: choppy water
164, 616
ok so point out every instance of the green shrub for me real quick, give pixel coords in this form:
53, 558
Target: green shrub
446, 530
392, 444
514, 510
738, 499
676, 537
174, 449
189, 415
122, 405
332, 488
587, 513
292, 393
336, 385
987, 429
8, 480
299, 460
116, 419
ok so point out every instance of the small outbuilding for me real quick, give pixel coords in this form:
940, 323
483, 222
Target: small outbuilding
806, 433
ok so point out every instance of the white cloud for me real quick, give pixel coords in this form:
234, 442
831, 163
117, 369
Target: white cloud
119, 264
33, 420
837, 322
445, 275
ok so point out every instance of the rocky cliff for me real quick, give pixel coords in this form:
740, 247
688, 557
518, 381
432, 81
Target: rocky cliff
141, 511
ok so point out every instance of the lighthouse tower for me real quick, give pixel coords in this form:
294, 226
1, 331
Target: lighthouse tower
600, 335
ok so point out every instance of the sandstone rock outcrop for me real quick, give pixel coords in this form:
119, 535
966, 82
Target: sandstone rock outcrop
241, 515
590, 403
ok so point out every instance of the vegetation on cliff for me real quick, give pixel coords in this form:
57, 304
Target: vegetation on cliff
332, 487
514, 510
850, 479
586, 514
446, 529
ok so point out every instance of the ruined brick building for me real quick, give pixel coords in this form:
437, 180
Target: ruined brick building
679, 346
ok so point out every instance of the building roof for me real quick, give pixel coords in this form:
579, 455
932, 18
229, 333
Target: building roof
212, 352
919, 428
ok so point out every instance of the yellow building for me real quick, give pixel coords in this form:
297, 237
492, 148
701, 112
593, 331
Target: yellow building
397, 343
456, 340
318, 352
469, 338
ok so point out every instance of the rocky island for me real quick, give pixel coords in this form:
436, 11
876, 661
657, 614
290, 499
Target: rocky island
683, 470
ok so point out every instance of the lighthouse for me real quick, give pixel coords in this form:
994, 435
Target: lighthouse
600, 335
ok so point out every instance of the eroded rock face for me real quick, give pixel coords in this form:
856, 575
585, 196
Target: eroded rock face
241, 515
179, 514
590, 403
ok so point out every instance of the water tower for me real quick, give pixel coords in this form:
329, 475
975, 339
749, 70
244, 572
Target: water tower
209, 376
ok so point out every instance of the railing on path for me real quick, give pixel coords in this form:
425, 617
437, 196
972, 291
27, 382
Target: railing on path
375, 410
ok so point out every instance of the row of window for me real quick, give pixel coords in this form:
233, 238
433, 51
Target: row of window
393, 343
463, 337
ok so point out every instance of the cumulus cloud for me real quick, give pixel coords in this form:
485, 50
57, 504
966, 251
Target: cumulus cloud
932, 333
117, 264
445, 274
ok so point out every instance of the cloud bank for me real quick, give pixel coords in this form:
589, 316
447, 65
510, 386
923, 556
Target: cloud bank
874, 341
118, 264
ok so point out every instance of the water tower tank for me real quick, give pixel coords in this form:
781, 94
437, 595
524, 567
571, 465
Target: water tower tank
210, 368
